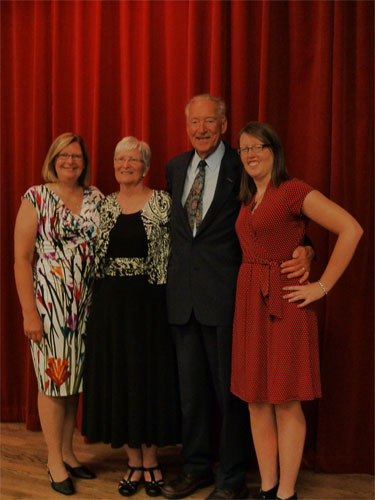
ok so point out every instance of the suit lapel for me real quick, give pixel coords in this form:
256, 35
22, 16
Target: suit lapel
178, 188
227, 181
180, 181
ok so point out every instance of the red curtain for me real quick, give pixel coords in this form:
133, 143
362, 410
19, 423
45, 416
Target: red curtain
107, 69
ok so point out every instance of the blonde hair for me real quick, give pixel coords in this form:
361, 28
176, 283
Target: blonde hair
61, 142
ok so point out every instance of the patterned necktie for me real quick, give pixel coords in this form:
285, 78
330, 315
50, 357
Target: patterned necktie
193, 202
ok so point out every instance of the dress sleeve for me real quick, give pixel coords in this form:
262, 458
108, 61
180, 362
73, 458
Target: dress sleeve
296, 192
33, 194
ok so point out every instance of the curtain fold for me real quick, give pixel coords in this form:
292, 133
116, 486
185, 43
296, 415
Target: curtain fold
106, 69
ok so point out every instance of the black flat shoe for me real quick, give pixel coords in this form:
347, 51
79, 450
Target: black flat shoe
65, 487
82, 472
127, 487
153, 487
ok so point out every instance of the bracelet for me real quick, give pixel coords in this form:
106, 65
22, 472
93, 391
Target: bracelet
323, 287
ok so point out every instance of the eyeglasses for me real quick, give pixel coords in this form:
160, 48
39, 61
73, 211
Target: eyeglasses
257, 148
66, 156
131, 160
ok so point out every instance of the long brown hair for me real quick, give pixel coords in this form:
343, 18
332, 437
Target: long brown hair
279, 174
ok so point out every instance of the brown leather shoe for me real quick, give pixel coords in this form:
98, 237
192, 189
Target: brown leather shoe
221, 494
185, 484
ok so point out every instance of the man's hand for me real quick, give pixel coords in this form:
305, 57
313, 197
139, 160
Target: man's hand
299, 265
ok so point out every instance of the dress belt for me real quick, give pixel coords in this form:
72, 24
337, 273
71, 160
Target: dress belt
125, 266
269, 283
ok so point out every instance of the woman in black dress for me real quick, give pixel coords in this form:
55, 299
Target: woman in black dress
130, 386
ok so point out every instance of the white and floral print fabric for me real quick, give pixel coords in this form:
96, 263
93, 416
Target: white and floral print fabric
63, 279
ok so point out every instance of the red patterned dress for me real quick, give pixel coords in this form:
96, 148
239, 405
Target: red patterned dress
275, 355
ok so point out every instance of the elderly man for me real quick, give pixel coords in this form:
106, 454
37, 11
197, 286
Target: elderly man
205, 259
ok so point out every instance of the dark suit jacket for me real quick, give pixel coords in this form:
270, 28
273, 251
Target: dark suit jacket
202, 271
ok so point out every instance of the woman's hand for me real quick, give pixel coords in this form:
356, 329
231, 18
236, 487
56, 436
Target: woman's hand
33, 326
307, 293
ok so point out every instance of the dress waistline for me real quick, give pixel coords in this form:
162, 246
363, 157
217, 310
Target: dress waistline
269, 283
125, 266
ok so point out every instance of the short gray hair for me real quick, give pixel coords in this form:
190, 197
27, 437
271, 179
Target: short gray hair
207, 97
128, 143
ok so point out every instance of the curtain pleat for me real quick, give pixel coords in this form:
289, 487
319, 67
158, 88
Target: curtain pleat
106, 69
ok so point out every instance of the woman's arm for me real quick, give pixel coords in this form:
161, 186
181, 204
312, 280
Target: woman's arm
331, 216
24, 246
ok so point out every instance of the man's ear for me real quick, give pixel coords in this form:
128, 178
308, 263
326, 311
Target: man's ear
224, 125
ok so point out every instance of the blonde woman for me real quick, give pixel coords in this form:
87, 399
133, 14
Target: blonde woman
55, 235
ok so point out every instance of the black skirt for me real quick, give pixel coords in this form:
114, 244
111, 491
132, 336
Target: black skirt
130, 387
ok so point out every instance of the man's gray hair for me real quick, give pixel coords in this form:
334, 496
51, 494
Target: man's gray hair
207, 97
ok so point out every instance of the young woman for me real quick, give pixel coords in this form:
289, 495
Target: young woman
275, 360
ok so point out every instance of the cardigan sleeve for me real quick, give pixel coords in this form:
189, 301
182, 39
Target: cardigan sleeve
156, 221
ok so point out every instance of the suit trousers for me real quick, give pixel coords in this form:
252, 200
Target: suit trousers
204, 366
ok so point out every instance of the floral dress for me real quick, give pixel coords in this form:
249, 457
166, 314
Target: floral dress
63, 278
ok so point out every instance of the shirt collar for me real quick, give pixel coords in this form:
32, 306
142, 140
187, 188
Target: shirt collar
213, 161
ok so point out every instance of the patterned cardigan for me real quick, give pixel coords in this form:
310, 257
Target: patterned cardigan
155, 218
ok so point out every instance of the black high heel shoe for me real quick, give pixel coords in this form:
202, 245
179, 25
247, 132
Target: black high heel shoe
269, 494
65, 487
82, 472
127, 487
153, 487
